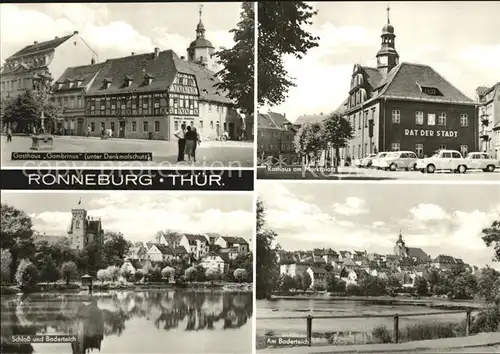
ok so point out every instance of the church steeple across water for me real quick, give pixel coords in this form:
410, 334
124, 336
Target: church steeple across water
387, 56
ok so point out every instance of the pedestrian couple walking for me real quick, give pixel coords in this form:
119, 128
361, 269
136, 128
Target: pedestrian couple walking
188, 140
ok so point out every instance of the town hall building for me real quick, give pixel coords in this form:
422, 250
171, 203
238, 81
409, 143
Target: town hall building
403, 106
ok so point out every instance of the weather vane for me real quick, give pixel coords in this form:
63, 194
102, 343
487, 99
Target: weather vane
201, 10
388, 9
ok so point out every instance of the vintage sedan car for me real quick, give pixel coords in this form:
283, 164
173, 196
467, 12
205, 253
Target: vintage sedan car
399, 160
376, 159
443, 160
481, 161
367, 160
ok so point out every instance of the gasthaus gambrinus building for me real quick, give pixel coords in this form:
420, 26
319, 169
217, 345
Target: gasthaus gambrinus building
403, 106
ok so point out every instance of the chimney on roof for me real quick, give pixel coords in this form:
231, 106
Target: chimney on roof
183, 58
76, 32
56, 37
35, 42
133, 53
157, 52
92, 61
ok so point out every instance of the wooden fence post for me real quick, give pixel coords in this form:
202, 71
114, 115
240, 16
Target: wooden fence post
396, 328
467, 323
309, 329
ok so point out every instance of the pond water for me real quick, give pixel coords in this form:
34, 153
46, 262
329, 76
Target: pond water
337, 307
166, 321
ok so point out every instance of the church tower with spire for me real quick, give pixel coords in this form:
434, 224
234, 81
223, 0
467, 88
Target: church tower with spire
201, 50
387, 56
400, 247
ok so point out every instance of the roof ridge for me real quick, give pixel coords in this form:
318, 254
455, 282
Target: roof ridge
442, 78
391, 79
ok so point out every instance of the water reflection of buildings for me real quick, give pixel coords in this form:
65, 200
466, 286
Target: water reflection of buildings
107, 314
89, 328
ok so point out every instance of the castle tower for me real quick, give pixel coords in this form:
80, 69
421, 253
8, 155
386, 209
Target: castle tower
387, 56
400, 247
201, 49
78, 228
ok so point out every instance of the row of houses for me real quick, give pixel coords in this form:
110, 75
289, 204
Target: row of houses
196, 246
351, 265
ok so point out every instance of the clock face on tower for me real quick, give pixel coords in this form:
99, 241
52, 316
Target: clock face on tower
383, 60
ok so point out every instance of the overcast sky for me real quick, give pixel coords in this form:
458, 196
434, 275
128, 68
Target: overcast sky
140, 215
440, 219
460, 40
117, 29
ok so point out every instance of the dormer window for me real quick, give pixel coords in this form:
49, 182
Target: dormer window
107, 82
59, 85
128, 81
429, 90
70, 84
79, 82
148, 79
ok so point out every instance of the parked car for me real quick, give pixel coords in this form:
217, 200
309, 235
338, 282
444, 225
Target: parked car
399, 160
367, 160
481, 160
376, 159
443, 160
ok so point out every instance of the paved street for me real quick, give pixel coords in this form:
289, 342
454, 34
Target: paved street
210, 154
354, 173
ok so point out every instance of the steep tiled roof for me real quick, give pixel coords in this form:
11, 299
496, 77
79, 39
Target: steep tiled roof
233, 240
192, 238
444, 259
41, 46
310, 118
349, 262
418, 253
405, 81
162, 70
85, 73
206, 80
318, 270
373, 75
459, 261
278, 119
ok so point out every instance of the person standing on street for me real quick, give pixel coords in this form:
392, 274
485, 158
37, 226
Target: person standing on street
89, 129
197, 142
9, 135
181, 142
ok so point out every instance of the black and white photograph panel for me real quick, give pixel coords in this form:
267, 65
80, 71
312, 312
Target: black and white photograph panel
126, 272
370, 90
122, 82
352, 268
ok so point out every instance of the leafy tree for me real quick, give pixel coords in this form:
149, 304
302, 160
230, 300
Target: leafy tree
154, 274
491, 236
24, 110
353, 290
89, 259
212, 275
114, 273
287, 283
486, 283
237, 75
167, 272
115, 248
240, 275
335, 285
49, 271
5, 262
337, 131
26, 274
281, 32
309, 141
190, 274
393, 284
464, 287
372, 286
16, 235
69, 271
266, 267
421, 287
200, 273
102, 275
139, 274
306, 281
432, 276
